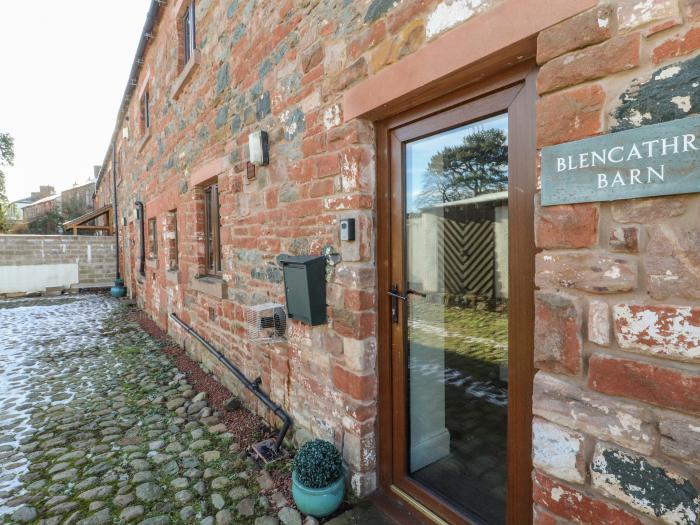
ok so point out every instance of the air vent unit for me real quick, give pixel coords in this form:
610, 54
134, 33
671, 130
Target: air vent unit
266, 322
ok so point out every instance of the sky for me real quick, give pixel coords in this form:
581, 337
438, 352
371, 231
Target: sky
419, 152
63, 69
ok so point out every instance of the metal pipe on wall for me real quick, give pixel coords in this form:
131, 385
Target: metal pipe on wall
142, 258
114, 205
253, 386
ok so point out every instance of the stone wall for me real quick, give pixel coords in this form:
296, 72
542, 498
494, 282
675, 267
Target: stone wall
35, 263
282, 67
617, 396
618, 372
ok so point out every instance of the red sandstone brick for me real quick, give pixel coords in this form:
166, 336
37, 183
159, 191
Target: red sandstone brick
635, 13
350, 202
321, 188
367, 40
591, 27
327, 165
357, 387
619, 54
674, 388
359, 325
359, 300
572, 115
313, 145
588, 271
566, 226
271, 198
558, 342
678, 46
663, 330
572, 504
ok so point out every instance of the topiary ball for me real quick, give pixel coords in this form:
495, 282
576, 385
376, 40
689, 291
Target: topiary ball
318, 464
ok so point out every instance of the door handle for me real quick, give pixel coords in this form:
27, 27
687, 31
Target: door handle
395, 296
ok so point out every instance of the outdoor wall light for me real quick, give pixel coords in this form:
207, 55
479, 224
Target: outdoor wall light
258, 148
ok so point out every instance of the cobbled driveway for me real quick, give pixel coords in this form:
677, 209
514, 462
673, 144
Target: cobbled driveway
98, 426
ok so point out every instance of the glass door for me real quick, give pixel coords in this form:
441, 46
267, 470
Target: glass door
456, 222
461, 312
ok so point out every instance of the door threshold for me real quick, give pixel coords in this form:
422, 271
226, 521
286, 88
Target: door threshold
418, 507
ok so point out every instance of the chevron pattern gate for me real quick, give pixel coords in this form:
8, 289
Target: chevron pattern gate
467, 251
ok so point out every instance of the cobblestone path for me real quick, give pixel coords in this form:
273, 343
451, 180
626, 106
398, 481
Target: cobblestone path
98, 426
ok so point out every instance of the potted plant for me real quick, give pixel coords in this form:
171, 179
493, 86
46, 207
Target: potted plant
318, 484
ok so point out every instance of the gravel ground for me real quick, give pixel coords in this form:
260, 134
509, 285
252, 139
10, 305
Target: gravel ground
98, 425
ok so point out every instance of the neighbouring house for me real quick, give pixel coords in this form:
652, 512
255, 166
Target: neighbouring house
78, 200
14, 209
43, 215
511, 323
51, 203
15, 214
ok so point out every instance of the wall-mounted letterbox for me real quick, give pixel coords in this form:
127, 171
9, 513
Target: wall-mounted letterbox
305, 287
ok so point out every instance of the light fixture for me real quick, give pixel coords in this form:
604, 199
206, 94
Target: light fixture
258, 148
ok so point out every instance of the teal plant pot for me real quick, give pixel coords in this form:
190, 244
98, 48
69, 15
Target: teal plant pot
318, 502
118, 290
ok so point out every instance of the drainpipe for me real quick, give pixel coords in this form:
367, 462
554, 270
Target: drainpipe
118, 290
253, 386
142, 258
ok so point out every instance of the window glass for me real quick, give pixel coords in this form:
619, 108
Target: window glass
152, 238
211, 234
457, 272
188, 28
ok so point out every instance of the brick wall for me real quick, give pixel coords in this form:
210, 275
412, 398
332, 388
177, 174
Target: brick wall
617, 397
94, 256
283, 67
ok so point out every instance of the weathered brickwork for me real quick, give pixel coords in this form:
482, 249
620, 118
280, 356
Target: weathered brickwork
632, 268
616, 327
282, 67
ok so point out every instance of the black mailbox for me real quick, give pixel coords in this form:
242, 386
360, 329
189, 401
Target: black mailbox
305, 287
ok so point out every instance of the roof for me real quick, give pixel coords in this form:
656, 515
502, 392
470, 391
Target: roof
486, 197
87, 217
24, 200
78, 186
45, 199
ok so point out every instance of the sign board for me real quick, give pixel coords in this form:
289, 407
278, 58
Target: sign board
660, 159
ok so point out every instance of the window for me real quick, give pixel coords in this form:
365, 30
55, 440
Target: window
152, 239
170, 247
146, 111
211, 229
188, 29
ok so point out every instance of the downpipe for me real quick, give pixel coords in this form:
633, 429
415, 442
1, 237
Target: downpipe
253, 386
142, 249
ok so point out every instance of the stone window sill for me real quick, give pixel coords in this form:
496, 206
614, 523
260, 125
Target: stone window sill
144, 140
183, 78
152, 263
210, 285
172, 276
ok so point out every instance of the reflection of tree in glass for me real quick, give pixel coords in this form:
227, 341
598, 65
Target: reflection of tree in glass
478, 166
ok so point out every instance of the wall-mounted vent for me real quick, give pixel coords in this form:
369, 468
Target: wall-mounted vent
266, 322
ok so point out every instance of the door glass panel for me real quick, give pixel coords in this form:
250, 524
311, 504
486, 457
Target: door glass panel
456, 204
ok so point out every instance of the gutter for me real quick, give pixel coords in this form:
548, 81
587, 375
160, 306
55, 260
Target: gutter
146, 36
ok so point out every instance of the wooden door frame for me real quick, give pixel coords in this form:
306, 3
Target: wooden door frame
517, 83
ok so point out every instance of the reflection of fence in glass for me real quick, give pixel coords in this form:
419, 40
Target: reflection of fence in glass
467, 243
